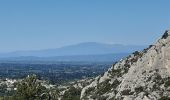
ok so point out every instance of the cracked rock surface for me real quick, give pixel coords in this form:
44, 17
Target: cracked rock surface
142, 75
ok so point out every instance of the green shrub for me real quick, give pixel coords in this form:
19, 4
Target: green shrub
72, 94
139, 89
136, 53
165, 35
90, 89
31, 89
167, 83
115, 84
164, 98
127, 92
104, 87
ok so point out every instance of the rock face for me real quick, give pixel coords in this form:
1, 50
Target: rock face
142, 75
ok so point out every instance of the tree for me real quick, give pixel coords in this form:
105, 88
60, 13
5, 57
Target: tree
72, 94
31, 89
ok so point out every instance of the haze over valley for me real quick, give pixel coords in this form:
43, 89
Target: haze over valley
90, 51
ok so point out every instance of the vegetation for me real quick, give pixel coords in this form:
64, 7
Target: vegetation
103, 87
58, 73
31, 89
167, 82
127, 92
115, 72
139, 89
165, 35
72, 94
165, 98
106, 86
136, 53
90, 89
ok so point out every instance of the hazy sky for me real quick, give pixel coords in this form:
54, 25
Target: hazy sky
41, 24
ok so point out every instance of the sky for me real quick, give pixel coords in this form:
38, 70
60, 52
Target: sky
44, 24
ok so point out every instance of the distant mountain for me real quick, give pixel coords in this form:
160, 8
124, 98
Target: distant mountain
89, 48
76, 58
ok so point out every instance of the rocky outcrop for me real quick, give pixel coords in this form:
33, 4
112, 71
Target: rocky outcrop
142, 75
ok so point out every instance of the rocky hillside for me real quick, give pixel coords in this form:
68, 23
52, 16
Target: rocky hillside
142, 75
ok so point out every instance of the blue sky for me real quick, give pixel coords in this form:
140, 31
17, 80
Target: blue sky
42, 24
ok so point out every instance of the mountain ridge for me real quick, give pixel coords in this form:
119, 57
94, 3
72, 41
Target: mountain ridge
75, 58
89, 48
143, 75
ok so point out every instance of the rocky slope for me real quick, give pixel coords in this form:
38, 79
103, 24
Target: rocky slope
142, 75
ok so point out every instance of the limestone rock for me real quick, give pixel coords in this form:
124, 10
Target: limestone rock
142, 75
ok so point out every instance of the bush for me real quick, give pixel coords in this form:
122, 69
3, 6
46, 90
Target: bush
104, 87
31, 89
127, 92
136, 53
90, 89
139, 89
167, 83
165, 35
164, 98
72, 94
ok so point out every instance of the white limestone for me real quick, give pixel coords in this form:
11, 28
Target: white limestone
150, 64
